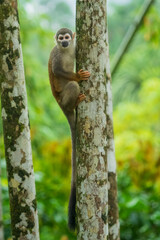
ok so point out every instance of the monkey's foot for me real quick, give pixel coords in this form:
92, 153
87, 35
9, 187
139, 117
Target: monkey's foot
80, 98
84, 75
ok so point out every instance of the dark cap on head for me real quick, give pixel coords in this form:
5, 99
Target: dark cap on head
63, 31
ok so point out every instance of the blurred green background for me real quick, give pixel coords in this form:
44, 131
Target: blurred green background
136, 98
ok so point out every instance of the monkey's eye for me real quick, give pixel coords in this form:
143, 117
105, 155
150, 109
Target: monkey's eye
67, 37
60, 38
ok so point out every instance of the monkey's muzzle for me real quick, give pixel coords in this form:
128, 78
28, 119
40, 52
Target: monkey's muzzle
65, 44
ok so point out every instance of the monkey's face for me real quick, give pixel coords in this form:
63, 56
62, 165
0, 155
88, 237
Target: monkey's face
64, 40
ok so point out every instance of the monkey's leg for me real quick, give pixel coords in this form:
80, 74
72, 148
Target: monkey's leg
69, 96
80, 98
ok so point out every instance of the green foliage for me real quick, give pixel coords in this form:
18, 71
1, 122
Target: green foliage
37, 43
5, 198
137, 140
139, 211
120, 17
140, 62
53, 174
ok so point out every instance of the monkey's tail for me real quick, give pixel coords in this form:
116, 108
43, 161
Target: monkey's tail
72, 200
72, 209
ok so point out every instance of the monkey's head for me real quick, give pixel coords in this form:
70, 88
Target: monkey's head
65, 38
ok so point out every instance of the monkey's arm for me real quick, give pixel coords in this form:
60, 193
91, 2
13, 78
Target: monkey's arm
81, 75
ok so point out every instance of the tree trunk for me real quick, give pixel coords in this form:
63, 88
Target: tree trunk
96, 166
23, 208
113, 215
92, 176
1, 210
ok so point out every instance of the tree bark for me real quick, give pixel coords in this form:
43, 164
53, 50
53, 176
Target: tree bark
1, 210
96, 165
92, 175
113, 215
23, 208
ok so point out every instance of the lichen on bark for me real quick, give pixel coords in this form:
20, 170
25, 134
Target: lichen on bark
24, 218
1, 209
113, 215
97, 210
92, 177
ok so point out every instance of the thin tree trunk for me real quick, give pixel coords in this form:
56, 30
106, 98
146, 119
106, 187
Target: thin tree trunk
1, 209
23, 208
130, 35
113, 215
92, 175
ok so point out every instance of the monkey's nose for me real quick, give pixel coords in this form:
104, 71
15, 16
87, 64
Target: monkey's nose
64, 44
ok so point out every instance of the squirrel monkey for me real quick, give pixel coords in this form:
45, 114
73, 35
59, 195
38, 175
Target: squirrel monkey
65, 89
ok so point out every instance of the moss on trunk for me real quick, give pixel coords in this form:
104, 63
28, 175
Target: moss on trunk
24, 219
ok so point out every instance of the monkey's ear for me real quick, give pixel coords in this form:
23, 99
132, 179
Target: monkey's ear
73, 36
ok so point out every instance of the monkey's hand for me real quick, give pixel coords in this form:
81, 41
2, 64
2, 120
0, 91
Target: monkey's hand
83, 75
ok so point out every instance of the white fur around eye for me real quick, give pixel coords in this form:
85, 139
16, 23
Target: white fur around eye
67, 36
60, 36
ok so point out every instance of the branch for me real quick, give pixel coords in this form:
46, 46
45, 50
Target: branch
130, 35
